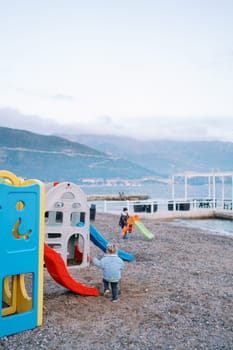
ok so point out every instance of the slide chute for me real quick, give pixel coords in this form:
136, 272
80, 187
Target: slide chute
58, 271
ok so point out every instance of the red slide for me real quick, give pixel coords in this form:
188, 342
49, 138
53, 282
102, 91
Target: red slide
58, 271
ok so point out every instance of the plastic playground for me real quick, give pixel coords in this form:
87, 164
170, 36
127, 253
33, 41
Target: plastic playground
43, 226
134, 220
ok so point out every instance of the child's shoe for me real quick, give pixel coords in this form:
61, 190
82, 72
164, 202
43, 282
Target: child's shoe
106, 293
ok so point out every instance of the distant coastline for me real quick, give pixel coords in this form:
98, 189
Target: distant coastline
156, 192
117, 197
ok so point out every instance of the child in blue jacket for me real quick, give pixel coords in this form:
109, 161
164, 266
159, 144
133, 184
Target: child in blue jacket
111, 265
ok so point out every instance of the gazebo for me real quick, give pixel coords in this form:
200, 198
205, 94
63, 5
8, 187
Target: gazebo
211, 177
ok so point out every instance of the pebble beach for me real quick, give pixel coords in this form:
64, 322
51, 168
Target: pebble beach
177, 293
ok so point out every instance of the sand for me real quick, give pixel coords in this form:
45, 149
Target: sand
176, 294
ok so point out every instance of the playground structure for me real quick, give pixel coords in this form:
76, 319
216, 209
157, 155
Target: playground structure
58, 271
134, 220
67, 222
67, 225
21, 253
26, 223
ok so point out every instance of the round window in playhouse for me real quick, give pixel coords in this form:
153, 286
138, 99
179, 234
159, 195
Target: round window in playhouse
59, 205
19, 205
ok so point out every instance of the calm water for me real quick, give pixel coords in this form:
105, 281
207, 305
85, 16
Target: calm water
215, 226
160, 191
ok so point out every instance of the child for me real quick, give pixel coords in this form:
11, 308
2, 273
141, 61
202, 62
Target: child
111, 266
123, 223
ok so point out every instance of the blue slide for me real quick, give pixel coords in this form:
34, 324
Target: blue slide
101, 242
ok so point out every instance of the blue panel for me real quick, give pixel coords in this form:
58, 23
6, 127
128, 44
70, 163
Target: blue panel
17, 323
19, 255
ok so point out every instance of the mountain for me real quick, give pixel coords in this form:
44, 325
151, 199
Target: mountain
165, 156
88, 157
54, 158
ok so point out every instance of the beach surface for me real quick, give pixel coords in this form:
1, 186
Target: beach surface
177, 293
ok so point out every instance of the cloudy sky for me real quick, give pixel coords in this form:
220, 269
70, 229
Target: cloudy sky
144, 68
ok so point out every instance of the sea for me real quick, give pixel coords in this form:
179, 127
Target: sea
221, 227
160, 190
164, 192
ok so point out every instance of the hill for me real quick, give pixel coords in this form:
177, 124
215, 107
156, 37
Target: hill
86, 157
165, 156
54, 158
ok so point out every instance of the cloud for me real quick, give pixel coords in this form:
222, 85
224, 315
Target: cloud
13, 118
38, 94
173, 128
63, 97
153, 128
105, 119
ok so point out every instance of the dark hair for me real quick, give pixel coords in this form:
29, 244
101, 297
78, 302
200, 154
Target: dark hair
124, 209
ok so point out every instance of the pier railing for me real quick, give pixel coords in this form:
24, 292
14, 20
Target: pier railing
157, 206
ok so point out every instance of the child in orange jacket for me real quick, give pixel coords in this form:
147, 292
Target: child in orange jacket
123, 222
